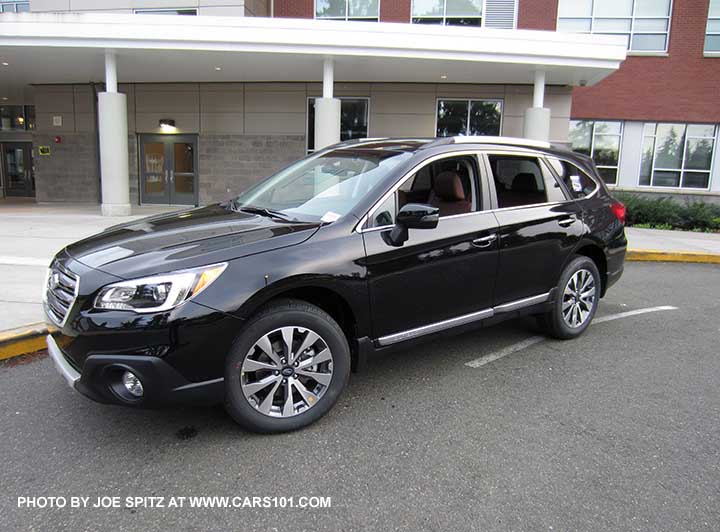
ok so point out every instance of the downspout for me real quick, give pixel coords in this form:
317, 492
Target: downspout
272, 8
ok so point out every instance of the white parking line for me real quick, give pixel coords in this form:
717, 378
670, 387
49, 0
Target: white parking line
492, 357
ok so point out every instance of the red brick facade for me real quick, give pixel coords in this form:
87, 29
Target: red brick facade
683, 87
295, 8
395, 10
537, 15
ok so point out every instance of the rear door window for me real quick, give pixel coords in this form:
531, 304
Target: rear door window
519, 180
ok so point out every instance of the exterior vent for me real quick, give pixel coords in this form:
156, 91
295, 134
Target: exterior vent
500, 14
61, 292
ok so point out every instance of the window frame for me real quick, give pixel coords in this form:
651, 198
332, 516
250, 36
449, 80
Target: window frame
592, 147
706, 52
341, 98
469, 102
162, 10
483, 198
14, 4
545, 168
444, 17
347, 16
631, 32
681, 170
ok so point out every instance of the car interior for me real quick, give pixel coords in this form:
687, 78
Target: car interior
447, 184
518, 180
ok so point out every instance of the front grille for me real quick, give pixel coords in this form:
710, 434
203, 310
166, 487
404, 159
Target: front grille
60, 292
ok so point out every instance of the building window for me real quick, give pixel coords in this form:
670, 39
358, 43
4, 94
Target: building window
712, 33
180, 11
14, 7
354, 118
600, 141
468, 117
363, 10
17, 117
448, 12
677, 155
644, 23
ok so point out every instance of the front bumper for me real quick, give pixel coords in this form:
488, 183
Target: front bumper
100, 380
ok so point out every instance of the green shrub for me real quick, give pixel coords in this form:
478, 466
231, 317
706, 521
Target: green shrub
665, 213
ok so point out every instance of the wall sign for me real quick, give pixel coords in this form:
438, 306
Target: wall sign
43, 150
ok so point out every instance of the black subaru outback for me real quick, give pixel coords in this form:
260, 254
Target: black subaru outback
267, 301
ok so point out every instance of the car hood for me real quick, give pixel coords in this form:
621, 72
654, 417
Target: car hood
185, 239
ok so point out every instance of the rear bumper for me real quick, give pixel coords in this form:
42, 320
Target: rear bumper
100, 379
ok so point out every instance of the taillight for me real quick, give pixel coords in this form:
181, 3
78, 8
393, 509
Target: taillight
618, 209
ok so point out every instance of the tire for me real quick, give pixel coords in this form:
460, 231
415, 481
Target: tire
260, 368
557, 322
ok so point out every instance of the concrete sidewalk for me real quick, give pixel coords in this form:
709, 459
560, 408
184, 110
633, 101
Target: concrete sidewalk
31, 234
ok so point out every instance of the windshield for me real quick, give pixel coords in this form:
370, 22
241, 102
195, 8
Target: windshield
323, 186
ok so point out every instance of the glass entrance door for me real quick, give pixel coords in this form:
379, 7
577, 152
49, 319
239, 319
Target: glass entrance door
168, 169
18, 174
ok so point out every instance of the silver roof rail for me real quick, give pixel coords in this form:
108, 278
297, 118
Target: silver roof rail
482, 139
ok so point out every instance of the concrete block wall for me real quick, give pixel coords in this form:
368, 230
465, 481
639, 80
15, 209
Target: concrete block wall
229, 164
69, 173
248, 130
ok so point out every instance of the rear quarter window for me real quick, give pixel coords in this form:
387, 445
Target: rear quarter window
577, 182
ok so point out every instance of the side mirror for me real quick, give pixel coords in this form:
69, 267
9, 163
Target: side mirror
411, 216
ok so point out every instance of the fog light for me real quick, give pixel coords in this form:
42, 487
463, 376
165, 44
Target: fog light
132, 384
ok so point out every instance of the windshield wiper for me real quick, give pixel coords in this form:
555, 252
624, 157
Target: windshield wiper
264, 211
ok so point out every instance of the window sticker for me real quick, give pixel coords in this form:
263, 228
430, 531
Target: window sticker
576, 184
329, 217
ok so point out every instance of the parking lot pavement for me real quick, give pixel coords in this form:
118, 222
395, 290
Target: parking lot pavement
617, 430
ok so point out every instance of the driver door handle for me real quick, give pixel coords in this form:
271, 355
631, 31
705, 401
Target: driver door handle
484, 241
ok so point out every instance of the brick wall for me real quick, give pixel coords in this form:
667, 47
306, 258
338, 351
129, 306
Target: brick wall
69, 173
683, 87
294, 8
228, 164
537, 14
395, 10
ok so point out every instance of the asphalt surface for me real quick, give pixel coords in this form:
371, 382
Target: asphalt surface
617, 430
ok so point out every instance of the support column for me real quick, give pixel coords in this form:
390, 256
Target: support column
537, 118
327, 110
112, 129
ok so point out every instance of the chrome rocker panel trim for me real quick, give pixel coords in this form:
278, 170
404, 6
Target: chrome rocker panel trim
462, 320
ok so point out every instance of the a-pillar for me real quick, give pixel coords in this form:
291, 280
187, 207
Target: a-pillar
327, 110
537, 118
112, 125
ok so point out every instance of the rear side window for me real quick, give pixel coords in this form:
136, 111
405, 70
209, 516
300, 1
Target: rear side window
518, 180
578, 183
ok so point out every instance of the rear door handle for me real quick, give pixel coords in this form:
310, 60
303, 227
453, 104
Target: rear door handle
484, 241
567, 222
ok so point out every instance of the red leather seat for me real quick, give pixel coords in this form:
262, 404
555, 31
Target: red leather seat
448, 194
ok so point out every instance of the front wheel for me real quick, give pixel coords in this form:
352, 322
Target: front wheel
576, 301
287, 368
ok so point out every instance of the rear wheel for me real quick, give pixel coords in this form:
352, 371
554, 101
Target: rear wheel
287, 368
578, 294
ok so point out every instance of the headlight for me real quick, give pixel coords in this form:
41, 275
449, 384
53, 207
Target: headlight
159, 292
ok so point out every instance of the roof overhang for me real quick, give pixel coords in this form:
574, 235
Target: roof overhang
69, 48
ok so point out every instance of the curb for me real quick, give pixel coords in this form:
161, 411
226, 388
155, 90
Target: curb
650, 255
22, 341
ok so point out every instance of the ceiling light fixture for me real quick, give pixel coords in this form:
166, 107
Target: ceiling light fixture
5, 63
444, 76
218, 68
